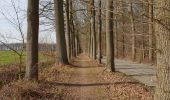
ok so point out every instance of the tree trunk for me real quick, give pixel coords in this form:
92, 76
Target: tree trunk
73, 41
123, 29
32, 40
60, 33
142, 58
93, 28
163, 46
109, 36
68, 29
116, 39
151, 29
116, 31
73, 53
76, 44
133, 31
89, 46
99, 31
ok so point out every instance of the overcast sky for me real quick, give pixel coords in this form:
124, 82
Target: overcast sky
9, 31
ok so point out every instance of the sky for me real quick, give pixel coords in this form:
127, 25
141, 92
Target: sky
8, 31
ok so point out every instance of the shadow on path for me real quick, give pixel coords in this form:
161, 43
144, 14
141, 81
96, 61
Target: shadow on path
86, 85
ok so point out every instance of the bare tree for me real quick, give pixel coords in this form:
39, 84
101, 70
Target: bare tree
32, 40
60, 33
93, 29
99, 31
151, 29
133, 30
109, 36
68, 28
123, 27
17, 22
116, 28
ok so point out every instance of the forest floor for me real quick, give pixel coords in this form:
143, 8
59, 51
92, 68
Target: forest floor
84, 79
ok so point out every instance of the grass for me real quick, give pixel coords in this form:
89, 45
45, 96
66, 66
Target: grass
10, 57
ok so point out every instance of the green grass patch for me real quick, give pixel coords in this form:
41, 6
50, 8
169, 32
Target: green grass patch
10, 57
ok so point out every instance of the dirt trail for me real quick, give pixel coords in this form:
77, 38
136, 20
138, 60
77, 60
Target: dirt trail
86, 85
88, 81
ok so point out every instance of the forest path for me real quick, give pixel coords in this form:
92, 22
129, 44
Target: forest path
89, 81
86, 84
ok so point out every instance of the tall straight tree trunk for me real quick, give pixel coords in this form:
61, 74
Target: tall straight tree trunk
77, 44
60, 33
162, 30
91, 42
142, 58
68, 29
72, 32
73, 41
151, 29
116, 38
133, 31
32, 40
99, 31
89, 46
93, 29
116, 31
109, 36
71, 27
123, 28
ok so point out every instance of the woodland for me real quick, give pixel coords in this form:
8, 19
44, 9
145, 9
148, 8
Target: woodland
94, 38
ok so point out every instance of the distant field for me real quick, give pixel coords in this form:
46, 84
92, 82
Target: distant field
9, 57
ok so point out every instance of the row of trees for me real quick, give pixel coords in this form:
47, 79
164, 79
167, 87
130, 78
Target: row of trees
65, 51
133, 29
130, 27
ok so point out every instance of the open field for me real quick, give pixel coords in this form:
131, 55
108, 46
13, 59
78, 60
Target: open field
10, 57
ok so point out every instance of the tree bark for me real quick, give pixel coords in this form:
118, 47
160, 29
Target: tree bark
32, 40
68, 28
142, 51
93, 29
109, 36
72, 31
99, 31
163, 50
60, 33
133, 31
73, 40
89, 46
123, 28
151, 29
116, 31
